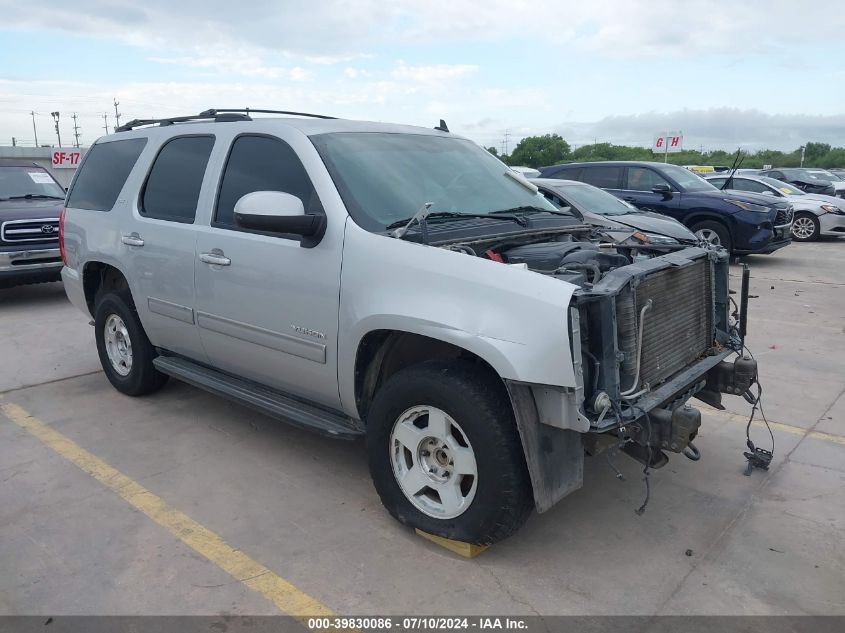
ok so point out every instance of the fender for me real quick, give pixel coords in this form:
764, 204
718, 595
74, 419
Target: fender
514, 319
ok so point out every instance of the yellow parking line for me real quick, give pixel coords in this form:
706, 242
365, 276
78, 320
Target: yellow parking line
776, 426
828, 437
195, 535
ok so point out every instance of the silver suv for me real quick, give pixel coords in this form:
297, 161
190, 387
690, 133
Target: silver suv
402, 284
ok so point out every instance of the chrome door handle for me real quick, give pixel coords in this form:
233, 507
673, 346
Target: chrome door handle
216, 259
132, 240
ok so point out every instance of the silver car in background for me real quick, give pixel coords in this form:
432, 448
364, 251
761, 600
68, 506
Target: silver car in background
815, 214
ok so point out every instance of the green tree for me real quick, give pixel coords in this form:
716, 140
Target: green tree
539, 151
815, 152
492, 150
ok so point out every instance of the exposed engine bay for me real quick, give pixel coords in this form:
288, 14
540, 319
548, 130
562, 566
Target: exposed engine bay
581, 257
650, 328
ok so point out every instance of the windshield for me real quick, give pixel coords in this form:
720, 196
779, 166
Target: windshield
785, 187
687, 180
594, 200
23, 181
823, 175
384, 178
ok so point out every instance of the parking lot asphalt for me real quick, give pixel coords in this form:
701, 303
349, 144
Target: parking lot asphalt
74, 539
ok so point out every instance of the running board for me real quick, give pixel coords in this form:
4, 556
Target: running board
262, 399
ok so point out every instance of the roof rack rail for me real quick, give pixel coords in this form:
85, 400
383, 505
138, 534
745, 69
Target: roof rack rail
220, 115
248, 110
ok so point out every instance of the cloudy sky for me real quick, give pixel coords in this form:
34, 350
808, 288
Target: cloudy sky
744, 73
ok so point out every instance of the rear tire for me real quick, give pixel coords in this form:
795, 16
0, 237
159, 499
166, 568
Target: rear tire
126, 353
805, 227
714, 233
446, 429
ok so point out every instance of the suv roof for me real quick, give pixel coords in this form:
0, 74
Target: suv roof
308, 124
653, 163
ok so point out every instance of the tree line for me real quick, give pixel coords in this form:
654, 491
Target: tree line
551, 149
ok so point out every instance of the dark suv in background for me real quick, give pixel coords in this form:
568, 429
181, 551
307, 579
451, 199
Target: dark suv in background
743, 223
30, 204
808, 180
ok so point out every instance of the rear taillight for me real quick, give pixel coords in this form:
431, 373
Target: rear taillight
62, 236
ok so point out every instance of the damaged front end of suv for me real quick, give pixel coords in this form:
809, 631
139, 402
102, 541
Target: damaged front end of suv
650, 328
648, 337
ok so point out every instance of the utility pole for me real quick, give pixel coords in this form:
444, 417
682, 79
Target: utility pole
116, 115
14, 142
55, 116
802, 155
505, 141
75, 130
34, 131
106, 122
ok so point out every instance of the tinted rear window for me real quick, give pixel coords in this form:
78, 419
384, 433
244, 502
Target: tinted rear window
173, 186
103, 173
603, 177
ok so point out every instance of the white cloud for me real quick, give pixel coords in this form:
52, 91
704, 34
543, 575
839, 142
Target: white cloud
245, 65
337, 31
434, 73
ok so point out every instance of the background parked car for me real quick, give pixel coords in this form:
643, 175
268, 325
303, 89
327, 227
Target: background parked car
601, 209
815, 214
30, 204
808, 180
743, 223
528, 172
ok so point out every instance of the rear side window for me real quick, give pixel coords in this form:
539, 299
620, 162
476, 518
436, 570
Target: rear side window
643, 179
604, 177
173, 187
103, 173
749, 185
262, 163
571, 173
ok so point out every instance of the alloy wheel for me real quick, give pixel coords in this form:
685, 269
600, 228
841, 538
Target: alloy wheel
433, 462
803, 228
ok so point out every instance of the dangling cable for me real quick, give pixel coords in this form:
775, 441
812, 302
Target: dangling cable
758, 457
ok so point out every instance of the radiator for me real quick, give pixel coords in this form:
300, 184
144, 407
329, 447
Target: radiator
679, 325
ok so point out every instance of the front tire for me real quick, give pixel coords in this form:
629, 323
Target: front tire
126, 353
714, 233
445, 455
805, 227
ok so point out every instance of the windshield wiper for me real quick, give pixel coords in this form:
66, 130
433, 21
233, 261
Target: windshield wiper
406, 223
532, 209
31, 196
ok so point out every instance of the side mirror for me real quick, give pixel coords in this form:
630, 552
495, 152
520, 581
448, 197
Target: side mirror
663, 189
278, 212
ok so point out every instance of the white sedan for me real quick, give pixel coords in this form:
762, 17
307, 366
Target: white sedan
815, 214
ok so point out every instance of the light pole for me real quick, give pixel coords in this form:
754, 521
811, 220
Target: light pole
55, 116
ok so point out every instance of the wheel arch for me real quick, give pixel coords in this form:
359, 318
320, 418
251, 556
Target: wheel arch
554, 457
383, 352
707, 216
98, 276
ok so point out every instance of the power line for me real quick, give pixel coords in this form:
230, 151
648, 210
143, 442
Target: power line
505, 142
75, 129
106, 122
34, 131
116, 115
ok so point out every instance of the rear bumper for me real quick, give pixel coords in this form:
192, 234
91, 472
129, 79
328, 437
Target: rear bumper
75, 290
